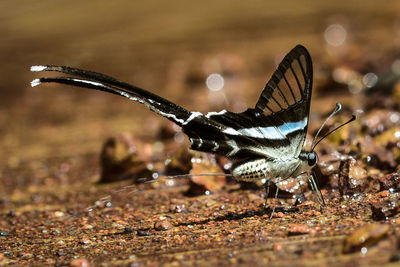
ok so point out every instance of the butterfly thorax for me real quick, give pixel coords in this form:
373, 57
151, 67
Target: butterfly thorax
265, 168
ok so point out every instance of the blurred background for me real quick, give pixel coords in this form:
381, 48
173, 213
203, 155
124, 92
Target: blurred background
204, 56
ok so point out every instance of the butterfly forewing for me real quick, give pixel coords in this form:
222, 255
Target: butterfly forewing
290, 85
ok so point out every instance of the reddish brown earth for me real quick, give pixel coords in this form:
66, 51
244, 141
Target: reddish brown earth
57, 143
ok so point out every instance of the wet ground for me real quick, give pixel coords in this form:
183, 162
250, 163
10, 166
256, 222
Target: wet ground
70, 187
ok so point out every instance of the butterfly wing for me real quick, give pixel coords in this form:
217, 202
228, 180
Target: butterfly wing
277, 126
98, 81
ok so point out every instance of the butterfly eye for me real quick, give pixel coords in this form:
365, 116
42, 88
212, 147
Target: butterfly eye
312, 158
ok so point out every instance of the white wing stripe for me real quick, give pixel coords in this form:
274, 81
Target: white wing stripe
231, 131
291, 127
216, 113
263, 132
270, 132
216, 146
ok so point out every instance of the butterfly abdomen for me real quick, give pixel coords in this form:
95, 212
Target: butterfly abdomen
265, 168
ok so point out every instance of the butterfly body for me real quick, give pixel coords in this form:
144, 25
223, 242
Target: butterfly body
254, 170
268, 169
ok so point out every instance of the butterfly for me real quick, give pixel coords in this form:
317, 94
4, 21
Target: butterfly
264, 142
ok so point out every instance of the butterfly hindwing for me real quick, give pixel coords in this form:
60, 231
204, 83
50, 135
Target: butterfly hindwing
98, 81
275, 128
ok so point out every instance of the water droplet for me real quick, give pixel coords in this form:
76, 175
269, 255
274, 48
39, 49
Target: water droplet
364, 250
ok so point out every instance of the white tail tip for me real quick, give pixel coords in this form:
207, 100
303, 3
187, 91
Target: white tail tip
35, 82
38, 68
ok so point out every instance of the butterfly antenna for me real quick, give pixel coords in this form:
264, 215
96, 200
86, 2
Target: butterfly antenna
337, 109
154, 179
145, 180
340, 126
183, 176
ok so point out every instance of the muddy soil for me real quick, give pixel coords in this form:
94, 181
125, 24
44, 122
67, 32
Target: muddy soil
83, 174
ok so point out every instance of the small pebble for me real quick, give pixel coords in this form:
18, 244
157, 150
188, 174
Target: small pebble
84, 242
144, 233
4, 233
278, 214
199, 185
357, 172
366, 236
277, 246
79, 263
128, 230
297, 229
178, 208
61, 253
385, 209
59, 214
27, 256
163, 225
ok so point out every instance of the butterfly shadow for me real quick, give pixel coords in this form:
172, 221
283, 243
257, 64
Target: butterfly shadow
230, 216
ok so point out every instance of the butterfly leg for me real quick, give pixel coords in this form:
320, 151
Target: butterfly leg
278, 180
267, 186
278, 183
314, 187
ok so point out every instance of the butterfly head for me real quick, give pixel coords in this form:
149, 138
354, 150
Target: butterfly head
312, 159
308, 159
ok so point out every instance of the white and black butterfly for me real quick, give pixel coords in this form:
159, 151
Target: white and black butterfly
265, 142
